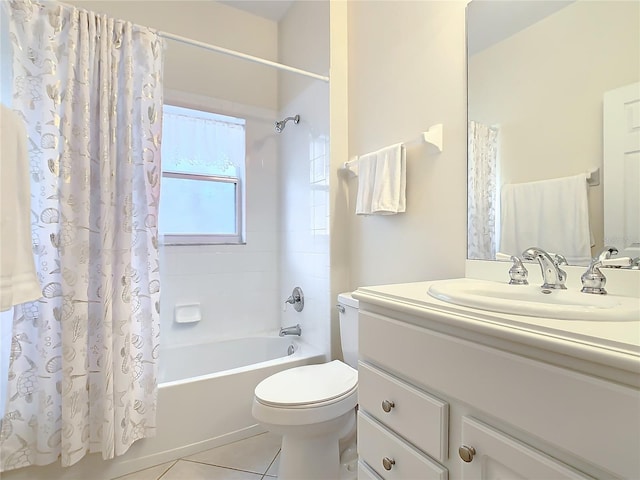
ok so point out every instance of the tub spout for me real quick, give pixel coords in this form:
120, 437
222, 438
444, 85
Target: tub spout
295, 330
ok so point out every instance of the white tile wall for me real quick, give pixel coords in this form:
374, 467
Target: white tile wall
305, 234
237, 286
304, 198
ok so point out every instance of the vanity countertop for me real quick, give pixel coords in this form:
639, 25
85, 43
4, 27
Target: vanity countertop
610, 345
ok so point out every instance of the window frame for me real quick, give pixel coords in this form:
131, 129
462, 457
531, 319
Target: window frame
237, 238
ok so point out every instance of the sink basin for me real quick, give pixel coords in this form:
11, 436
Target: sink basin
531, 300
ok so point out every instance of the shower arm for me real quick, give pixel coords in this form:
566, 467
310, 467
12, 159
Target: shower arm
281, 124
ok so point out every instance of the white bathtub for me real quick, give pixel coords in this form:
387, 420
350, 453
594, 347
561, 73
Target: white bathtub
229, 357
205, 395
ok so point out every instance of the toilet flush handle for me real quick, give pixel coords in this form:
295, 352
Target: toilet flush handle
340, 308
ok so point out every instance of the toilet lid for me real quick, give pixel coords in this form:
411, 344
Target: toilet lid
308, 385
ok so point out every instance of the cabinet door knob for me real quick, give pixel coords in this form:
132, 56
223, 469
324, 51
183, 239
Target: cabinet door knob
466, 453
388, 463
387, 405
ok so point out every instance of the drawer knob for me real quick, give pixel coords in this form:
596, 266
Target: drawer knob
387, 405
466, 453
388, 463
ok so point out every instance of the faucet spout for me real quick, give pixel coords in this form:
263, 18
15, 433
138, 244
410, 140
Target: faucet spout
553, 276
295, 330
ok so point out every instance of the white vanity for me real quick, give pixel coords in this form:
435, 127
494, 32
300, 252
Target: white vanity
447, 391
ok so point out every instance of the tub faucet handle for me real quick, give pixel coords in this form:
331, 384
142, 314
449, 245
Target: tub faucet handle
296, 299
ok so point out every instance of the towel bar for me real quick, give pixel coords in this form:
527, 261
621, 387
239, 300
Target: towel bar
593, 177
432, 136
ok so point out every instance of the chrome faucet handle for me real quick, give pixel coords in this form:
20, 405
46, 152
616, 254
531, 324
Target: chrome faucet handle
606, 253
552, 275
593, 280
296, 299
518, 273
560, 259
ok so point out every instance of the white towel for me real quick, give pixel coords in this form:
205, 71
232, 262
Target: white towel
390, 181
366, 171
382, 181
550, 214
18, 280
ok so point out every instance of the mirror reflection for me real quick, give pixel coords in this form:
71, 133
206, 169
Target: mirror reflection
538, 76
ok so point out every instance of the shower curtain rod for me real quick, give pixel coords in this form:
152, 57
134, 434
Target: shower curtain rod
233, 53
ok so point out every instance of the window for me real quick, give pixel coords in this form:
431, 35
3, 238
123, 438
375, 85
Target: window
203, 159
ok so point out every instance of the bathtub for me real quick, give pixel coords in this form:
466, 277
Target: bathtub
205, 395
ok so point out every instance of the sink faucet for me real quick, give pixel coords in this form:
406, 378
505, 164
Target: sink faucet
295, 330
593, 280
553, 276
518, 272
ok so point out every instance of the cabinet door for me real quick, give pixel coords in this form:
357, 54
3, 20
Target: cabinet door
495, 455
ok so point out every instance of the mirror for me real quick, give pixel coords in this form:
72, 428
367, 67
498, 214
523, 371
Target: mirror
537, 75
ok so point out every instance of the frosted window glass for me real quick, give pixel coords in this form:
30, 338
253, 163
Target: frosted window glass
197, 207
199, 143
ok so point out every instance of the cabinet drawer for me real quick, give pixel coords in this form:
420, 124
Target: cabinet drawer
376, 443
420, 418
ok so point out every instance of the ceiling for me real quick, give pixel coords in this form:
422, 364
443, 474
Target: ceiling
490, 21
269, 9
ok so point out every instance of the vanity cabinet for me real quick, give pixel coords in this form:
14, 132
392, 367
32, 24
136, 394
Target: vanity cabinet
438, 402
506, 457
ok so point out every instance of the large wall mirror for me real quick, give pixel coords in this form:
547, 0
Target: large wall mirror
538, 76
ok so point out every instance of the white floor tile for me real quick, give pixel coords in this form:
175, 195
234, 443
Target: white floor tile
152, 473
253, 454
273, 468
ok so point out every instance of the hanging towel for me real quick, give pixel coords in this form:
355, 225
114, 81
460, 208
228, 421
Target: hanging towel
18, 280
366, 171
550, 214
389, 188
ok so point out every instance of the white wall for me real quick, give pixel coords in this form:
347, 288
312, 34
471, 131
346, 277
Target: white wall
199, 71
406, 73
547, 97
304, 170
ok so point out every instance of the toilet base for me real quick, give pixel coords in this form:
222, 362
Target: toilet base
317, 459
349, 462
312, 452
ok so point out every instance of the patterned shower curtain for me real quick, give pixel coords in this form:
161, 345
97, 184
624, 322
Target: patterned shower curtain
82, 373
481, 191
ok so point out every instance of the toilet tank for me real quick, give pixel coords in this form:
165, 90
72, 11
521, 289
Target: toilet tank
348, 311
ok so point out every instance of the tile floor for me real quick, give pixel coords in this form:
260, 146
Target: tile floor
254, 458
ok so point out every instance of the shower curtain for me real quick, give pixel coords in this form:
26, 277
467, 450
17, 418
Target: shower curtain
482, 193
82, 373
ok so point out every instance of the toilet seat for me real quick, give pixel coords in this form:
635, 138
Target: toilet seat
308, 386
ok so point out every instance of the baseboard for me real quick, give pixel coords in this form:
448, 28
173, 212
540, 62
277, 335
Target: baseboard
125, 467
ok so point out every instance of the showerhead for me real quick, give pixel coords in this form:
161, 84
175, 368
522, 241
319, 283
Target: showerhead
282, 123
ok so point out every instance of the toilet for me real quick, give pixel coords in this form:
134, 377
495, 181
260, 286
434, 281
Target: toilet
313, 408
